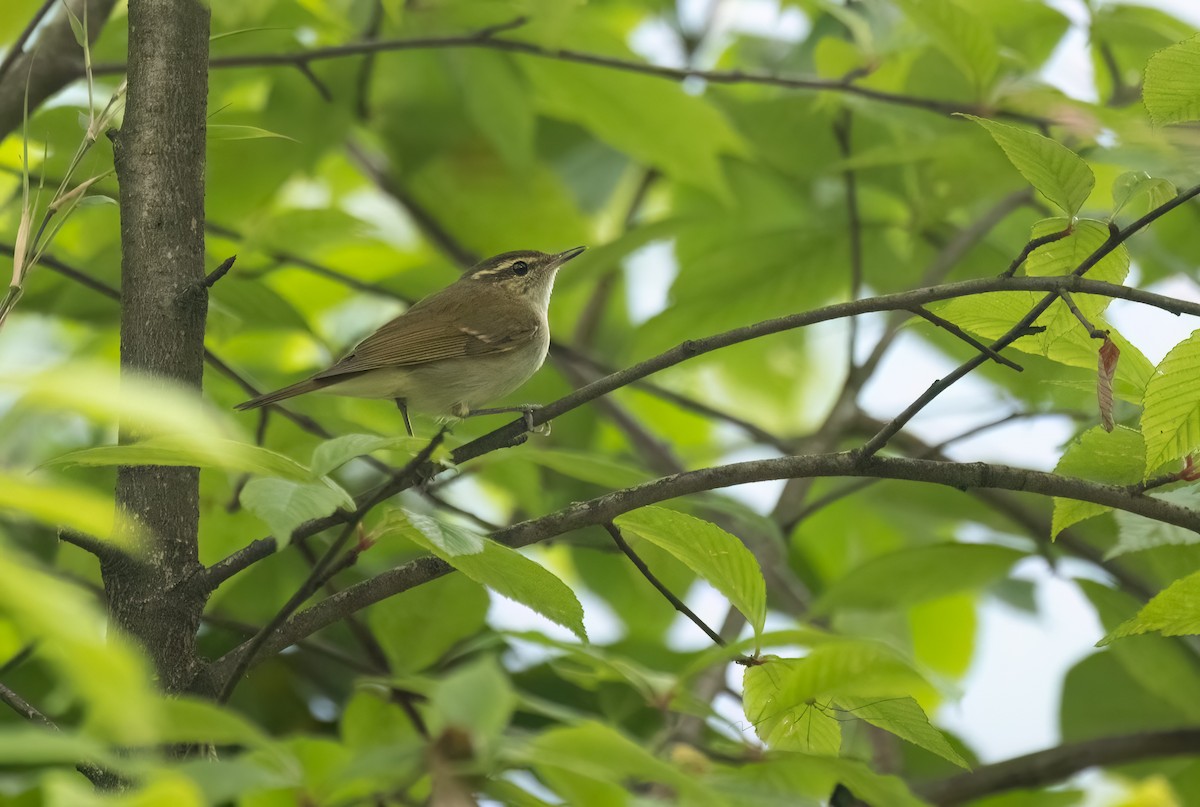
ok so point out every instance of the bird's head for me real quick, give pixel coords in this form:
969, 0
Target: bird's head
525, 273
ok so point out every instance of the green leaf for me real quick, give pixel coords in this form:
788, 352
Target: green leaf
1134, 184
190, 720
500, 568
1171, 91
1115, 458
285, 505
24, 744
720, 558
780, 694
333, 454
76, 25
418, 627
1174, 611
1171, 406
653, 121
1052, 168
142, 405
598, 470
62, 505
102, 670
596, 751
1136, 533
788, 778
236, 131
477, 697
498, 102
905, 718
961, 35
229, 455
917, 575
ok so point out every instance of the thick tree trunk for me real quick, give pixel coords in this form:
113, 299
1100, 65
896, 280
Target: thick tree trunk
160, 168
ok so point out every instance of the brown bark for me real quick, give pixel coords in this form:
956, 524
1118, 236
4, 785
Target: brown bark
159, 156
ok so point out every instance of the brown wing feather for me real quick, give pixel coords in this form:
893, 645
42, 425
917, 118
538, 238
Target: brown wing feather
415, 337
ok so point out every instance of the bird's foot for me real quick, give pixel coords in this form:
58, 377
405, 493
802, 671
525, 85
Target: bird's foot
526, 410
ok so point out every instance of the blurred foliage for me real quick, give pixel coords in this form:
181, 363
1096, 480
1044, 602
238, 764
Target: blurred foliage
730, 199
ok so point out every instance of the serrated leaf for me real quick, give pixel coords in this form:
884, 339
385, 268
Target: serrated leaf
229, 455
779, 694
961, 35
1171, 406
1134, 184
333, 454
285, 505
1174, 611
1115, 458
1054, 170
905, 718
720, 558
1136, 533
916, 575
237, 131
500, 568
1171, 91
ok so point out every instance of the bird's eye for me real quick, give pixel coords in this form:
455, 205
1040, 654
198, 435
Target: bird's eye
520, 268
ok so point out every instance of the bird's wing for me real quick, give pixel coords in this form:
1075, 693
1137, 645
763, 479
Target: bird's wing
411, 340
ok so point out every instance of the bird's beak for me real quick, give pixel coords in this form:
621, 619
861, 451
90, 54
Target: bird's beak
563, 257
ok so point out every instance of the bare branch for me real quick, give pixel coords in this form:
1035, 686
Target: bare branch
950, 327
486, 38
220, 271
962, 476
1092, 330
1055, 764
1115, 239
1033, 244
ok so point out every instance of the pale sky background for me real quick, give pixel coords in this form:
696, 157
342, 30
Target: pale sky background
1010, 698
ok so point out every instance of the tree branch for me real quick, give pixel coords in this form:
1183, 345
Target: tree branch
486, 38
1054, 764
1115, 239
505, 436
963, 476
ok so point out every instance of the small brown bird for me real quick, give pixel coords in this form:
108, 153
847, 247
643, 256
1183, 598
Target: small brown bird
474, 341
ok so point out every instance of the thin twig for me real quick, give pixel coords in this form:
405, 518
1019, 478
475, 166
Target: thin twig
1092, 330
329, 565
220, 271
676, 603
486, 38
842, 128
950, 327
1115, 239
1033, 244
18, 658
96, 775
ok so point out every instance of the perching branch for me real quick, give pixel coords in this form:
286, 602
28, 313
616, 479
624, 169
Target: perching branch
504, 436
1055, 764
963, 476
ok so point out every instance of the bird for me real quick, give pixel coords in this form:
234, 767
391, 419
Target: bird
474, 341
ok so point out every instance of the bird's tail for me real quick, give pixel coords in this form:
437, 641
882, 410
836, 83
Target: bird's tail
299, 388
